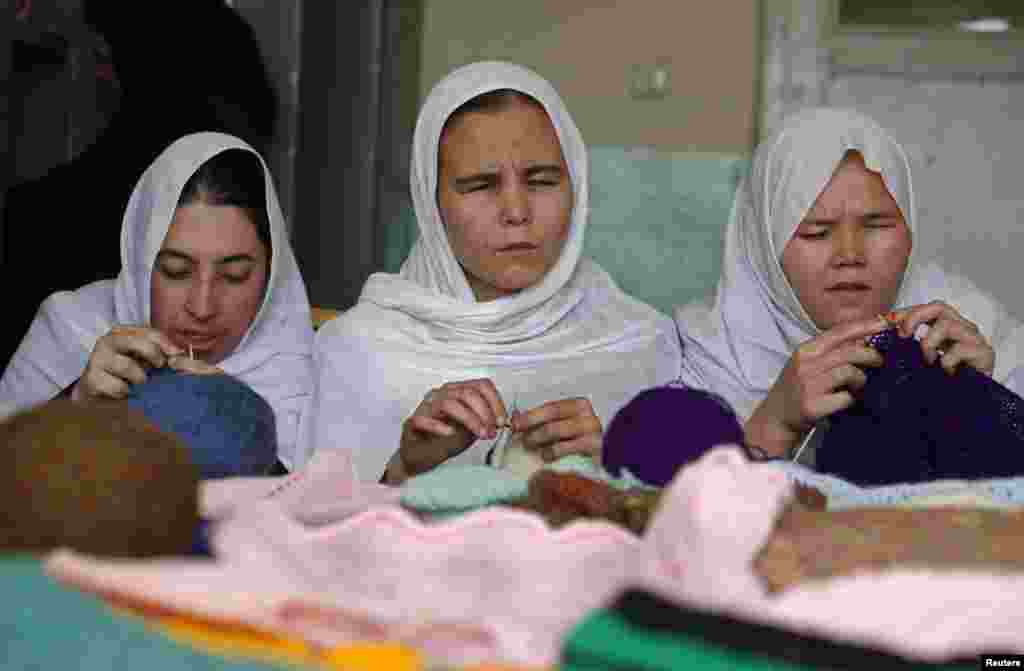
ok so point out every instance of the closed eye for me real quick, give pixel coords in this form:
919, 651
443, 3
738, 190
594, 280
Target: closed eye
174, 273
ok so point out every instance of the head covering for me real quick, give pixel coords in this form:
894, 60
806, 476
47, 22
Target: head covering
739, 346
574, 333
274, 356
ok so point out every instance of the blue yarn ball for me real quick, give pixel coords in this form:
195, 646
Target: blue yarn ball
229, 428
664, 428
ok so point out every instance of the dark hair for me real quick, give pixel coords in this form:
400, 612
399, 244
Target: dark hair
492, 101
233, 177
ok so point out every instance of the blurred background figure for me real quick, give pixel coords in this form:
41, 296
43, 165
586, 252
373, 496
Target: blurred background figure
156, 71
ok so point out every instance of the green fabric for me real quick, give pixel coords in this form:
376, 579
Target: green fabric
460, 488
656, 221
45, 626
606, 641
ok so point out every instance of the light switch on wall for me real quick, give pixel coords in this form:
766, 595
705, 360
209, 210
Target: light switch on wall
650, 82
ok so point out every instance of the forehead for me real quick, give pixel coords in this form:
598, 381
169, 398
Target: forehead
852, 185
205, 230
520, 132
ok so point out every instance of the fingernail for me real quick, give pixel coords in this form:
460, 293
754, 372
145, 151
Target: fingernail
502, 421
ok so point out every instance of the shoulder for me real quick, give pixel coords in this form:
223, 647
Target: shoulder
604, 296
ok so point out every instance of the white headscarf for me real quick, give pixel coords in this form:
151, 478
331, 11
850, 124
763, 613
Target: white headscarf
739, 346
275, 355
574, 333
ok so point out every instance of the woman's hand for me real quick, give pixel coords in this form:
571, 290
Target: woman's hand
816, 382
559, 428
120, 359
951, 339
447, 421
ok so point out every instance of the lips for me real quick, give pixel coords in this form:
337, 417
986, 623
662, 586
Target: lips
519, 247
849, 286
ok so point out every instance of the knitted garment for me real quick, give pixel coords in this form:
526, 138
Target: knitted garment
664, 428
913, 422
644, 632
229, 428
460, 488
997, 492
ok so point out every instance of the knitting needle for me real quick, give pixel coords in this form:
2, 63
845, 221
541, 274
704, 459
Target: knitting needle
804, 444
191, 355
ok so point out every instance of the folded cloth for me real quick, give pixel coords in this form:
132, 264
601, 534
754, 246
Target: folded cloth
642, 631
913, 422
229, 428
46, 626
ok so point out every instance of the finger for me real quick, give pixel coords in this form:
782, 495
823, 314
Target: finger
102, 384
561, 430
140, 347
552, 411
847, 376
471, 396
913, 317
981, 358
938, 336
856, 353
588, 445
455, 409
430, 426
829, 404
124, 367
485, 387
843, 333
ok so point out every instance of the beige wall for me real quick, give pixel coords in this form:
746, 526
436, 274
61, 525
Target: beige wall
588, 50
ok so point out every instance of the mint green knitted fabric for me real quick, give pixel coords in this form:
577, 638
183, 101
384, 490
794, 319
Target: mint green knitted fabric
456, 489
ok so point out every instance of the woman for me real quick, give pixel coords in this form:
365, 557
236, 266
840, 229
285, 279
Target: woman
495, 309
819, 245
207, 274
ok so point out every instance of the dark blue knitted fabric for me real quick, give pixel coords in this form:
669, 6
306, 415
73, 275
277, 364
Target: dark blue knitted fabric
228, 427
913, 422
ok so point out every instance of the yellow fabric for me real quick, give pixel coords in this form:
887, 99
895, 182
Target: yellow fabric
232, 642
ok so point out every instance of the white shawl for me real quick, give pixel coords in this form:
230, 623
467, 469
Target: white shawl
574, 333
739, 346
275, 355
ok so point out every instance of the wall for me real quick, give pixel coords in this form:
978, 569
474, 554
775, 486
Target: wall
589, 49
277, 26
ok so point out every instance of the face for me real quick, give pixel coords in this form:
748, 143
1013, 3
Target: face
847, 257
208, 280
505, 197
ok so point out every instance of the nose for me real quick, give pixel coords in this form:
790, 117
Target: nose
201, 303
515, 204
849, 245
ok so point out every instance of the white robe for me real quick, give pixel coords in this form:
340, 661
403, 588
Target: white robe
738, 346
275, 355
574, 333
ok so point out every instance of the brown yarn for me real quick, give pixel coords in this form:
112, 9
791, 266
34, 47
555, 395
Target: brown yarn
98, 478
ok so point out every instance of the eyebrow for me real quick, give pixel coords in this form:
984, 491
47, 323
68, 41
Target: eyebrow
227, 260
492, 176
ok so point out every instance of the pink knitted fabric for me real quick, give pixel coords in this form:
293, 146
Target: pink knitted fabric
498, 585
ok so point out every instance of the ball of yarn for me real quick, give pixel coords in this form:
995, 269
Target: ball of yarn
229, 428
664, 428
96, 477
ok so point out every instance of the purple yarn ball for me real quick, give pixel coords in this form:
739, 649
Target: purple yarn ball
664, 428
